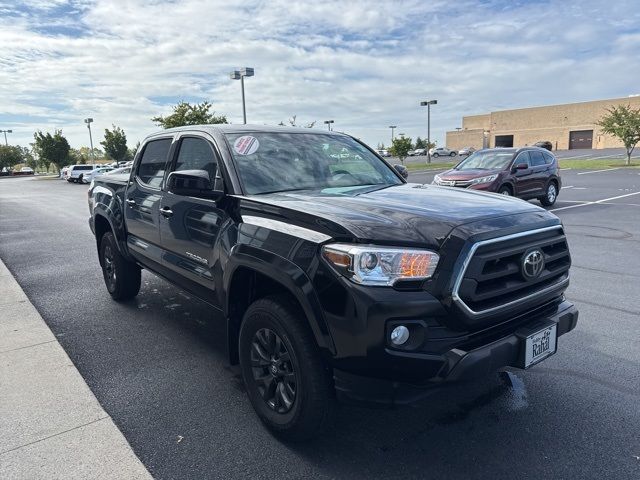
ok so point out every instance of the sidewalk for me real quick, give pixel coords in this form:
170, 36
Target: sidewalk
51, 424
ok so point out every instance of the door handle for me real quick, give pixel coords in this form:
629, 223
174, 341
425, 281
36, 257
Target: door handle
166, 211
130, 201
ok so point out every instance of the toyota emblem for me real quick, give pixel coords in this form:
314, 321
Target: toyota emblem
532, 264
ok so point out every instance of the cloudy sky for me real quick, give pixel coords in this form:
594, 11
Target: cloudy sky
364, 64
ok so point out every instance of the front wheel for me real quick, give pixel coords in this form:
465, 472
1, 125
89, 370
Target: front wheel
121, 276
505, 190
287, 382
452, 154
550, 196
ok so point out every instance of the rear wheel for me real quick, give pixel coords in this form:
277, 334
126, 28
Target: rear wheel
435, 155
452, 154
287, 382
121, 276
550, 196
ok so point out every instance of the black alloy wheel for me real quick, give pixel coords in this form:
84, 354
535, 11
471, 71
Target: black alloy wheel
121, 276
288, 383
273, 370
109, 268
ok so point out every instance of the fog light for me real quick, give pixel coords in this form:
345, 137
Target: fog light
399, 335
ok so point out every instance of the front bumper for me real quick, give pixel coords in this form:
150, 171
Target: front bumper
456, 364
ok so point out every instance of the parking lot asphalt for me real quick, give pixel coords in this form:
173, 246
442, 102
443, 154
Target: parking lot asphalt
157, 363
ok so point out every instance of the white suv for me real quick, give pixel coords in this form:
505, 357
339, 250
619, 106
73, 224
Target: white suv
442, 152
75, 173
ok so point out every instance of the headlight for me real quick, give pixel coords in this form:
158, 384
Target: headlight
487, 179
380, 266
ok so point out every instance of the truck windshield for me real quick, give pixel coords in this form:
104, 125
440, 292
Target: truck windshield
269, 162
486, 160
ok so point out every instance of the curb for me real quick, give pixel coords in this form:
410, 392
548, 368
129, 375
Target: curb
52, 425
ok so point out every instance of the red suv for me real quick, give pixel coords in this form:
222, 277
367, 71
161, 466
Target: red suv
526, 173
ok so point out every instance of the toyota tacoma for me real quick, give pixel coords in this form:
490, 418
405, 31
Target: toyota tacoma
336, 278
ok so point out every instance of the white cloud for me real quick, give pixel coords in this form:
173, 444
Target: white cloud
365, 64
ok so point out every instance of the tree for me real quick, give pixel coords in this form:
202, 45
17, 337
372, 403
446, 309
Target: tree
9, 156
186, 114
78, 157
134, 150
54, 148
115, 144
420, 143
623, 122
27, 158
400, 147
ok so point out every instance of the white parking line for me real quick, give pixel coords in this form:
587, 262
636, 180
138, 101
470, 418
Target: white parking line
604, 200
568, 186
597, 171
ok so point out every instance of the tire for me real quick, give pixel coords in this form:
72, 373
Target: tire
69, 180
288, 384
121, 277
80, 179
452, 154
505, 190
435, 155
551, 194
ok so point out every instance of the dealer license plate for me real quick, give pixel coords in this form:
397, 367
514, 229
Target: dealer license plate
540, 345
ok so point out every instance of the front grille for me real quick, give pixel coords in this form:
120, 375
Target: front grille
493, 277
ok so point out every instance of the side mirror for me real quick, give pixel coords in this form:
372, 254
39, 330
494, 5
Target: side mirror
402, 170
520, 166
192, 183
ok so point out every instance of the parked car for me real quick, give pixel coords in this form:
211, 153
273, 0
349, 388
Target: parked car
75, 173
119, 171
466, 151
419, 152
87, 177
333, 278
383, 153
442, 152
25, 171
526, 173
546, 144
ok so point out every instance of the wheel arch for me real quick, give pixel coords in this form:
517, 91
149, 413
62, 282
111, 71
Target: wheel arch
259, 274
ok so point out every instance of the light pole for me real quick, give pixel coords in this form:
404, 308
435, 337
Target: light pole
392, 127
428, 104
328, 124
5, 135
239, 75
88, 122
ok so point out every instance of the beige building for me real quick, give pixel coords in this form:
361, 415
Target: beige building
569, 126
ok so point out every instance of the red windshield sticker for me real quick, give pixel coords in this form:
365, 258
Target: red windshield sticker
246, 145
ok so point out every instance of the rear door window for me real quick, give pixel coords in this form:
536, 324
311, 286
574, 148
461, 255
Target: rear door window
548, 158
154, 162
537, 159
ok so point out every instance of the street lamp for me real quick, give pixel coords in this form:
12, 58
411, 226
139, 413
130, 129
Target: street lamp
239, 75
88, 122
428, 104
328, 123
5, 135
392, 127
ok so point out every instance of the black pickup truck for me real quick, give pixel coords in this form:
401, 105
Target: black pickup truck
336, 278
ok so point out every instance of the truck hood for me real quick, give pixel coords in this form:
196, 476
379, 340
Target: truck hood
402, 214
